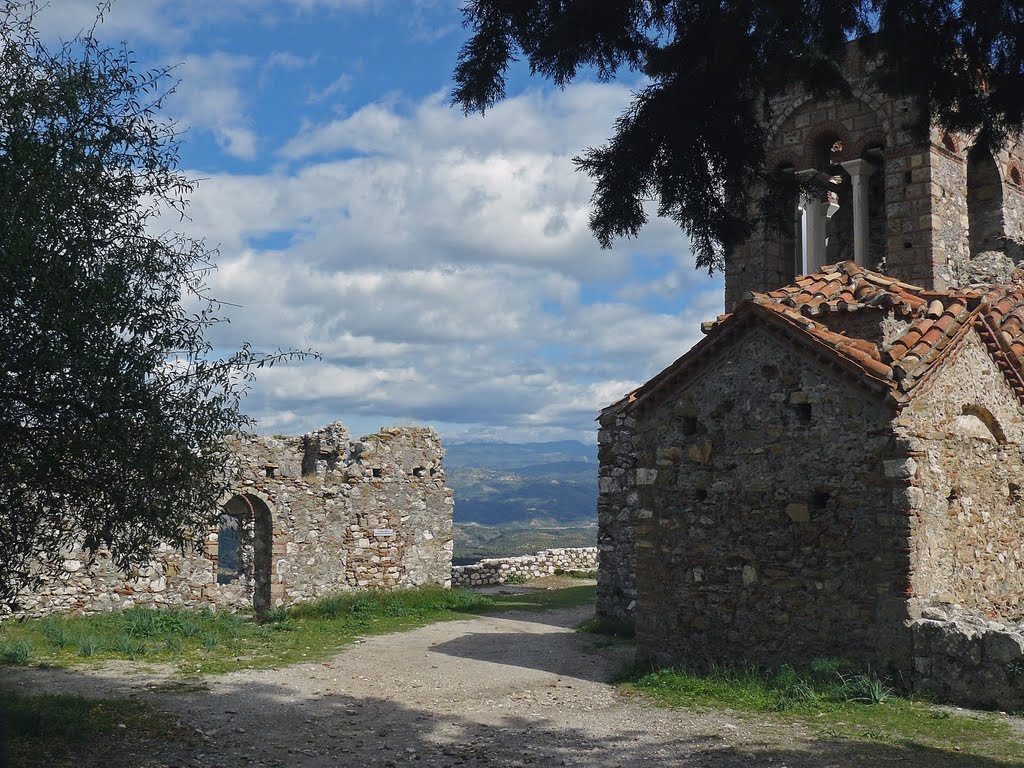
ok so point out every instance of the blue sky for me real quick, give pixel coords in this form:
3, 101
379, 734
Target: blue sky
441, 264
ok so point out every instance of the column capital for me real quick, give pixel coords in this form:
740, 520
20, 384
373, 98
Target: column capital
859, 168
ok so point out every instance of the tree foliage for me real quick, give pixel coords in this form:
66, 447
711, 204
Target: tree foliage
692, 139
112, 404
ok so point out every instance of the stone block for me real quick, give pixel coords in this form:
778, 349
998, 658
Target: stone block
1002, 646
798, 513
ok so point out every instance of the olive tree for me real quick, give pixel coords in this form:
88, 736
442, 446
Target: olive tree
113, 404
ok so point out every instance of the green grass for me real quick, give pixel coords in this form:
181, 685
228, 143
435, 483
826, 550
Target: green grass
838, 704
202, 642
55, 730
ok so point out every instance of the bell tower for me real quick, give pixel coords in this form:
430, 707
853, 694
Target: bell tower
936, 213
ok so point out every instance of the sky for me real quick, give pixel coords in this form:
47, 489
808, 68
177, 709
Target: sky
441, 264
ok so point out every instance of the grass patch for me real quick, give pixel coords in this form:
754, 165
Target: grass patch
55, 730
840, 704
517, 578
201, 642
607, 625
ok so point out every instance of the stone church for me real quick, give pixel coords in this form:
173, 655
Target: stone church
835, 469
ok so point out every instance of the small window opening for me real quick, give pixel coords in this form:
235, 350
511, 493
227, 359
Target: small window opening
689, 425
1015, 177
378, 472
270, 469
229, 549
701, 494
419, 471
1015, 493
949, 143
908, 177
804, 413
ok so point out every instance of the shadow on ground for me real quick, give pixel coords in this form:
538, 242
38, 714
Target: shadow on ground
261, 725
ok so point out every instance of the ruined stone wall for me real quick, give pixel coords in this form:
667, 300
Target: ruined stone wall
339, 515
965, 487
499, 570
766, 531
968, 660
616, 513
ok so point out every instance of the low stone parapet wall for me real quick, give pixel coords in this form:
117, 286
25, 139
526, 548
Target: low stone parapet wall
545, 563
968, 660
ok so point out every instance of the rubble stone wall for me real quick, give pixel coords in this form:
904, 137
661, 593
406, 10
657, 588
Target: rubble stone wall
616, 512
965, 484
545, 563
968, 660
765, 530
317, 514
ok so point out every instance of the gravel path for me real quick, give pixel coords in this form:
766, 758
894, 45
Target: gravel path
506, 690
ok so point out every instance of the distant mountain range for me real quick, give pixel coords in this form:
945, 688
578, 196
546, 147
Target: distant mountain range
523, 484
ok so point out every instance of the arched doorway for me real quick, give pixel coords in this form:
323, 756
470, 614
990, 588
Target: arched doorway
984, 202
245, 545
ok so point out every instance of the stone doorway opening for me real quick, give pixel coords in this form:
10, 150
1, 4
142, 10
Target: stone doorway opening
245, 545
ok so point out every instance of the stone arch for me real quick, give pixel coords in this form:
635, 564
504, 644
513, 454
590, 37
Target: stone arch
250, 514
976, 418
984, 202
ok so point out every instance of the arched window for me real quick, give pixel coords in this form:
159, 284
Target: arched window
984, 202
949, 143
229, 549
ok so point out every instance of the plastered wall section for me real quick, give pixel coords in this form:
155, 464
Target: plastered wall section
765, 531
373, 513
965, 488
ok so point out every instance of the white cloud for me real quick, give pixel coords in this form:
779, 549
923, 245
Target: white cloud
444, 268
210, 98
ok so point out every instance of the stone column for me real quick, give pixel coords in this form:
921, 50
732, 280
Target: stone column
813, 230
859, 171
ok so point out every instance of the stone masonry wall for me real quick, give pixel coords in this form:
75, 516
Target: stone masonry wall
765, 531
965, 488
969, 660
318, 514
545, 563
924, 236
616, 513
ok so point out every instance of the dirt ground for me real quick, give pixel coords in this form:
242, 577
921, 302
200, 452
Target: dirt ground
518, 689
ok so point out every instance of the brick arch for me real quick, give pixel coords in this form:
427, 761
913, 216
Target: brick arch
830, 127
778, 159
870, 140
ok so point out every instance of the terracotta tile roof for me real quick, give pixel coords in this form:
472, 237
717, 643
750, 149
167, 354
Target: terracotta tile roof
934, 321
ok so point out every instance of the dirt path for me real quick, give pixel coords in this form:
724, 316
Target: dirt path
509, 690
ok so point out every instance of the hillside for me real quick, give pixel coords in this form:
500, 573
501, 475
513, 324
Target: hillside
502, 484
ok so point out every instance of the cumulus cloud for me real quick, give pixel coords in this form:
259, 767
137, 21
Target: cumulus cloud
444, 268
210, 98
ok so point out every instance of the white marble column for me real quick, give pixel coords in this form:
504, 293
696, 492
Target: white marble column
859, 171
813, 231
